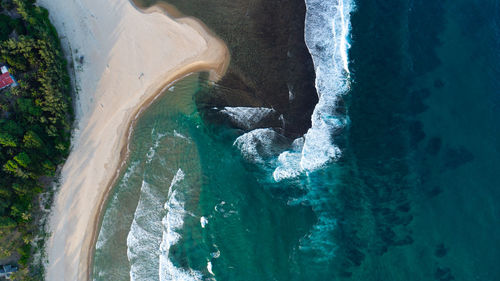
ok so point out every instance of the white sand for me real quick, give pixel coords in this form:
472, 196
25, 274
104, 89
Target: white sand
129, 57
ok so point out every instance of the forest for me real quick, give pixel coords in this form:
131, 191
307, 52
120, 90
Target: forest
35, 126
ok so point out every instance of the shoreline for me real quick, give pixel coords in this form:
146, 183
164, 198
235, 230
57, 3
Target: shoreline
124, 154
67, 261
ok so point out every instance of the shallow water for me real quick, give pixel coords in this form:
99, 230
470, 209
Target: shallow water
413, 196
132, 224
218, 188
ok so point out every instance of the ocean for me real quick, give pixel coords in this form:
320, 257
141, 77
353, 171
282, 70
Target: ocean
386, 170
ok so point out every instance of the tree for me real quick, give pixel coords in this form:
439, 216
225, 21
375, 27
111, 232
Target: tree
34, 124
32, 140
5, 27
7, 140
23, 159
27, 106
6, 222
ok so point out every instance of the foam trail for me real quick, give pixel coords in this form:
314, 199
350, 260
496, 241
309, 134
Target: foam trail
157, 137
330, 57
247, 117
171, 222
327, 27
145, 230
143, 236
153, 232
179, 135
209, 268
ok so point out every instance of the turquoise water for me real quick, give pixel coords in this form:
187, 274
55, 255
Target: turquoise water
409, 189
159, 148
249, 226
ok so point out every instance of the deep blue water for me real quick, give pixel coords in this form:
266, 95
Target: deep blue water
421, 190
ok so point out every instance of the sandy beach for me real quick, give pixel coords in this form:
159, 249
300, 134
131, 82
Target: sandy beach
123, 59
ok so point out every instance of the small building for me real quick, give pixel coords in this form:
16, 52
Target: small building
6, 78
6, 271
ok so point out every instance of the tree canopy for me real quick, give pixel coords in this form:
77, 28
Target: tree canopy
35, 118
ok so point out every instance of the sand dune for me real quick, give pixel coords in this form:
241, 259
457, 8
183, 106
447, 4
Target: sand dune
128, 57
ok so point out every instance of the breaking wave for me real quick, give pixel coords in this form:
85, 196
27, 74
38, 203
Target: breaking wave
327, 27
260, 145
248, 117
143, 237
171, 222
153, 232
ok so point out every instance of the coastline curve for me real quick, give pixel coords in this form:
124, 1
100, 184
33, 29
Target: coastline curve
164, 49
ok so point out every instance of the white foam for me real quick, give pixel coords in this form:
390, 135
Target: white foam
327, 27
215, 255
297, 144
288, 166
209, 267
153, 231
256, 144
143, 237
203, 222
157, 137
259, 145
247, 117
179, 135
291, 94
179, 175
220, 207
171, 223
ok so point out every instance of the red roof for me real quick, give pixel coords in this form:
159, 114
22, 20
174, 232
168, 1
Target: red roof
5, 80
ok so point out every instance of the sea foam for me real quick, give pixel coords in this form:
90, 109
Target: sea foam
153, 231
144, 235
157, 137
327, 27
259, 145
171, 223
249, 118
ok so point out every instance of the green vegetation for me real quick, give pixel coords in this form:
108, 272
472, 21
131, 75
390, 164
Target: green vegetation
35, 121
